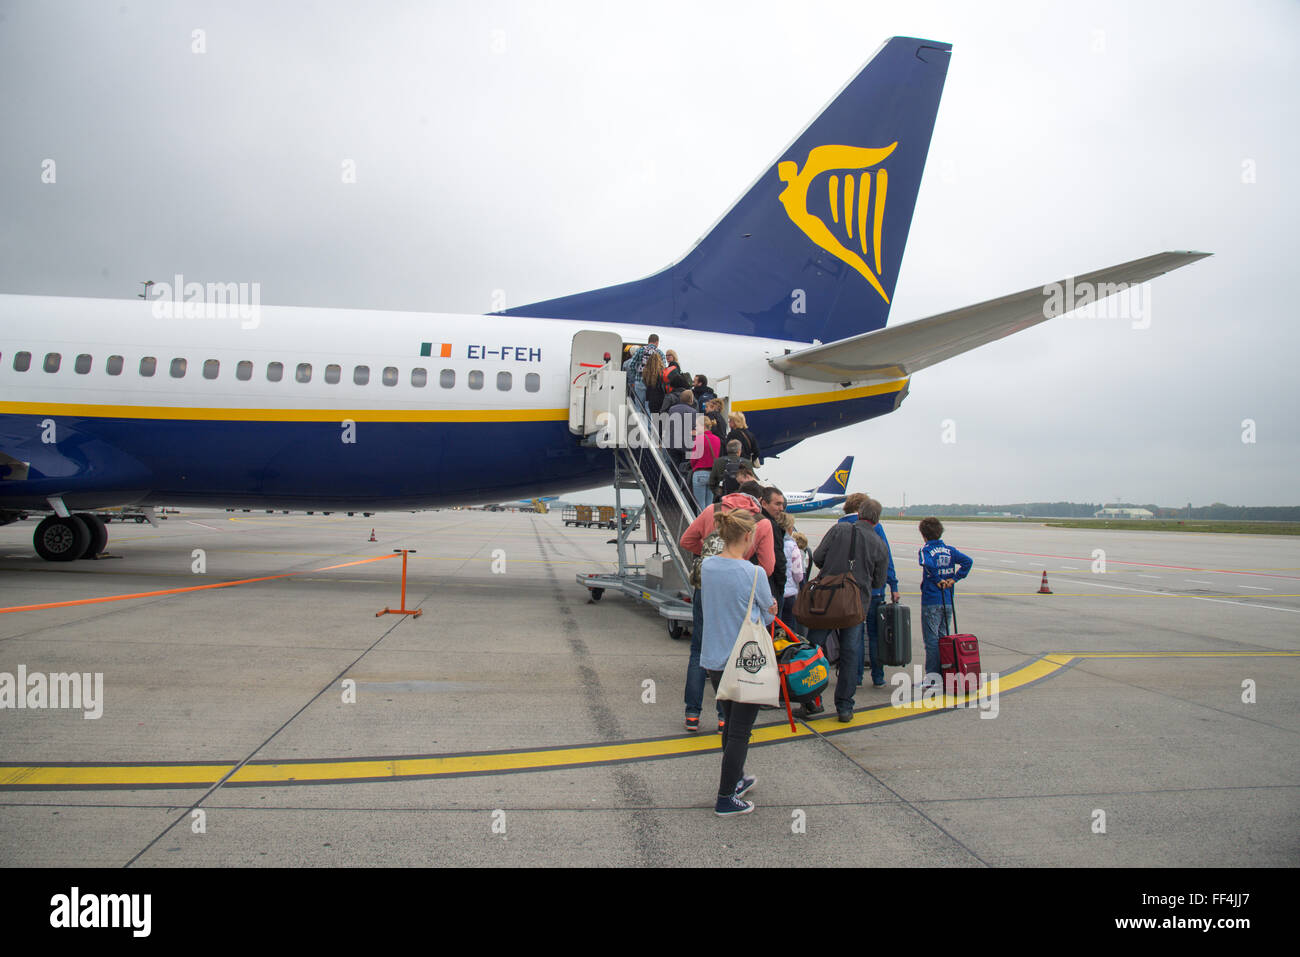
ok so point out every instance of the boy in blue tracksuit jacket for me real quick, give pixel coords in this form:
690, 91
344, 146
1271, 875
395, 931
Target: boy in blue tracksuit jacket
942, 566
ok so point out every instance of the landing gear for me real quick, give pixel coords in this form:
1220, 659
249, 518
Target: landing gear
62, 539
98, 534
66, 539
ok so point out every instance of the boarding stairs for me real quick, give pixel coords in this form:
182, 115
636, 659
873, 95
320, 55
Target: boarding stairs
603, 415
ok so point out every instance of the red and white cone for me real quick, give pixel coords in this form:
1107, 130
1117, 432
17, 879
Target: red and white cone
1043, 589
372, 536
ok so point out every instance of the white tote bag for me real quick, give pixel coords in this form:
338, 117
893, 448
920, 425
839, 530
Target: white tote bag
751, 675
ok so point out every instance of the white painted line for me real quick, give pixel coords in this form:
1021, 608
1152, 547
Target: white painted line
1005, 562
1156, 577
1217, 601
1036, 564
201, 525
1069, 568
1197, 581
1256, 588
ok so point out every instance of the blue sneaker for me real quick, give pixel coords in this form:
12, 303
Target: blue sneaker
729, 805
744, 784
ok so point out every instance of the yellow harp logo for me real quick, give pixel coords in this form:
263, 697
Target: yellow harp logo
842, 476
854, 170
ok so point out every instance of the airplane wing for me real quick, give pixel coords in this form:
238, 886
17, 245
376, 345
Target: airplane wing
897, 351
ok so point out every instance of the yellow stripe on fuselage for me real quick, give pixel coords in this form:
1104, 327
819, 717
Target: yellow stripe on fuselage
284, 415
818, 398
195, 413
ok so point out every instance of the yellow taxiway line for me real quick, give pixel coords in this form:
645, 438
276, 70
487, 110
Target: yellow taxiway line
70, 776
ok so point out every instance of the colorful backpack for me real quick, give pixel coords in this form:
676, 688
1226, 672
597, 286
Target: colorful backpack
802, 664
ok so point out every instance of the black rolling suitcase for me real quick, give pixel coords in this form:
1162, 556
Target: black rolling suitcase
894, 628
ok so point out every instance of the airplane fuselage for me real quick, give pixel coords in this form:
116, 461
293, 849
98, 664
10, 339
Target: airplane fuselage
103, 402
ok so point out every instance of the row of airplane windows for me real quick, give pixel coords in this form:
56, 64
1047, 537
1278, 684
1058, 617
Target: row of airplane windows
275, 371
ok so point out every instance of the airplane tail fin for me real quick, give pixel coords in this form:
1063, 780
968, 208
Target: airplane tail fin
813, 249
838, 483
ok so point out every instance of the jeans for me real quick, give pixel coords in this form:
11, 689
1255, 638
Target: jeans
873, 643
787, 615
934, 623
638, 390
735, 739
700, 486
850, 668
695, 675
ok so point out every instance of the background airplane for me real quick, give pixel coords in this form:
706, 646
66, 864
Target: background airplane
829, 494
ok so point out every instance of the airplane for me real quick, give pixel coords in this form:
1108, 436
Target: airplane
204, 400
830, 493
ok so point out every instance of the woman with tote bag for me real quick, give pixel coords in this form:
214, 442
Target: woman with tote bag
736, 595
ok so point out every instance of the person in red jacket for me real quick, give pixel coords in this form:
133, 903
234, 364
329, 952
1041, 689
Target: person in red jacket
693, 540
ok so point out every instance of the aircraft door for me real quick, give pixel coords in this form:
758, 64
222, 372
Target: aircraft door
723, 388
587, 357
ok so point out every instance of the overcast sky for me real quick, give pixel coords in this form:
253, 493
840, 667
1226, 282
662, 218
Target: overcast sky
543, 149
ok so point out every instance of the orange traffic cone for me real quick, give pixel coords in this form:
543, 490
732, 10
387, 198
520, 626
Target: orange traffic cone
372, 536
1043, 589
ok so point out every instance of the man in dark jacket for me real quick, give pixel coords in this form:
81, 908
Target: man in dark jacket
730, 466
678, 436
773, 507
846, 548
702, 391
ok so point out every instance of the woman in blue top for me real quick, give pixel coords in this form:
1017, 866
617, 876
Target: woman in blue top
727, 582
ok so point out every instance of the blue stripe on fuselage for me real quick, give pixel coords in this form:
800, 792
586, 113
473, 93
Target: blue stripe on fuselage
114, 461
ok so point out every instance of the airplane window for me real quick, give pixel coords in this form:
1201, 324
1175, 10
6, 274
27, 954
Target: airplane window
503, 381
22, 361
244, 371
476, 379
361, 375
52, 360
447, 378
114, 365
148, 364
274, 371
390, 375
532, 382
304, 372
332, 372
419, 378
82, 365
211, 368
178, 369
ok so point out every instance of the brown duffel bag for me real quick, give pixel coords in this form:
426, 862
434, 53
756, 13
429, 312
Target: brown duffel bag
831, 601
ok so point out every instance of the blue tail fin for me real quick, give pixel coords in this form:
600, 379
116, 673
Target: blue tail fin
813, 250
838, 483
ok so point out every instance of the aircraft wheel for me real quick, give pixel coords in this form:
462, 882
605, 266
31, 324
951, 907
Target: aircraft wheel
61, 539
98, 534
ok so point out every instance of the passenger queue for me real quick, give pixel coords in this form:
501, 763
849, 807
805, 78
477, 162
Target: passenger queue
752, 563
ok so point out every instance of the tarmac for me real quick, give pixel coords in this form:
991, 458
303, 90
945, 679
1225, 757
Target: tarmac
1145, 714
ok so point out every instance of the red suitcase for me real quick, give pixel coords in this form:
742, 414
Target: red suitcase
959, 659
